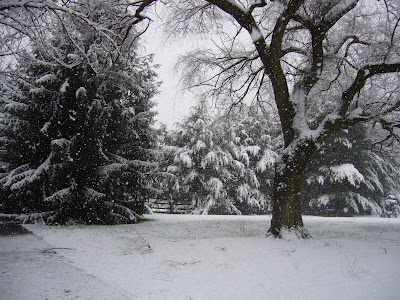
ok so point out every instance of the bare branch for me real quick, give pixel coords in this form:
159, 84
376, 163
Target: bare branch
260, 4
277, 76
35, 20
359, 82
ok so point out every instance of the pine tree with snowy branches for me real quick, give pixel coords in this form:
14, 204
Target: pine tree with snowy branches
213, 163
250, 137
347, 178
184, 151
77, 138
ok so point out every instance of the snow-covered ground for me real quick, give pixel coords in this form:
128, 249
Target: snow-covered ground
204, 257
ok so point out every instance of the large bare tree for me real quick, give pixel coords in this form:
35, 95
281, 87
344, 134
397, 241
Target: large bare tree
327, 65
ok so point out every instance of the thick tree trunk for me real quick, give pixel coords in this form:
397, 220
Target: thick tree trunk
286, 200
286, 211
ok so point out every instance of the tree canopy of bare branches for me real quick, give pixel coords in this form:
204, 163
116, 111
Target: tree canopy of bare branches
25, 22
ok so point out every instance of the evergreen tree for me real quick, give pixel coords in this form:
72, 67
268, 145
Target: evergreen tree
250, 136
186, 148
77, 133
347, 178
214, 163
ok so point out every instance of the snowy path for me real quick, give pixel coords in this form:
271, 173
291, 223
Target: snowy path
210, 257
30, 269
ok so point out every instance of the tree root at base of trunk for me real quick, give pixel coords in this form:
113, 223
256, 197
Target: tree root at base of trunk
287, 233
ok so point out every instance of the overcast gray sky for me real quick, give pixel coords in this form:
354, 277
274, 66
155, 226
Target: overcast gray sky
172, 103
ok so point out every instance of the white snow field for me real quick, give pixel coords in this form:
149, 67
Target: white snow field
204, 257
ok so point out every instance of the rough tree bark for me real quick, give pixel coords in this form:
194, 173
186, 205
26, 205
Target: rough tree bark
286, 197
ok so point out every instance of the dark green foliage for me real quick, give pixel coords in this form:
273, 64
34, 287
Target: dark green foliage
77, 138
346, 178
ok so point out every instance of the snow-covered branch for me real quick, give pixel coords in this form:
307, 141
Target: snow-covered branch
359, 82
36, 19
